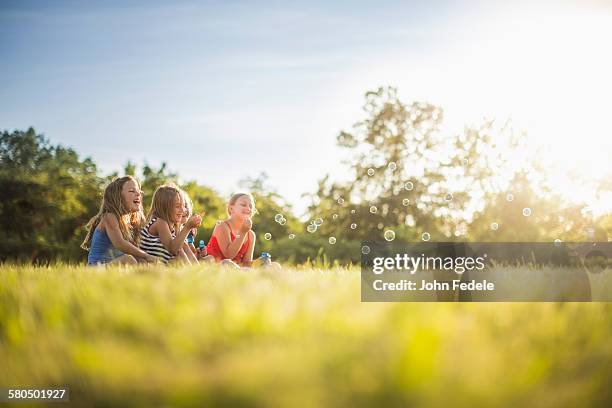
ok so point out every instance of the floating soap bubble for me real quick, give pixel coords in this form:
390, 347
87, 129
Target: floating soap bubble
353, 226
283, 221
341, 201
334, 216
557, 242
373, 209
371, 172
409, 185
494, 226
352, 211
311, 228
365, 249
451, 206
291, 236
332, 240
465, 162
526, 211
406, 202
380, 225
389, 235
425, 236
509, 197
392, 166
448, 197
278, 217
267, 236
318, 222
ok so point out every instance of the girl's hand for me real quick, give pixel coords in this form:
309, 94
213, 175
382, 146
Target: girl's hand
246, 226
194, 221
151, 259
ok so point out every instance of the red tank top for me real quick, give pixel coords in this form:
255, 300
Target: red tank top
213, 248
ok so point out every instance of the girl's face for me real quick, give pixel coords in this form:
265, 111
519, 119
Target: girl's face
178, 209
185, 215
131, 196
243, 208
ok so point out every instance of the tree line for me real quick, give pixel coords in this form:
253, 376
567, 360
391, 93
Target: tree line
409, 178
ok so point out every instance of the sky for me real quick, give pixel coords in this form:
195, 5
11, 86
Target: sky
226, 90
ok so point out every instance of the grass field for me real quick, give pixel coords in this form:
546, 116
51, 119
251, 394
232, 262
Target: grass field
300, 337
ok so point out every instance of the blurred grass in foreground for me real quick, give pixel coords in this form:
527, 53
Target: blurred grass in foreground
160, 336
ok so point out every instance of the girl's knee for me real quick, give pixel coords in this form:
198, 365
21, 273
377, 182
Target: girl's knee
128, 260
230, 263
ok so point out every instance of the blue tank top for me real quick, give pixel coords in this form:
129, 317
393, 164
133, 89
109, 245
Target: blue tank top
102, 250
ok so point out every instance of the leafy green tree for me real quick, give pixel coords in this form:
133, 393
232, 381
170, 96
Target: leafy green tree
48, 194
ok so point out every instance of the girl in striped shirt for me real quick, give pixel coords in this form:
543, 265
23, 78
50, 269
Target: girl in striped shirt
163, 236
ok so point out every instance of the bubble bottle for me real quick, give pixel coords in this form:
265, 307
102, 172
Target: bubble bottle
202, 249
264, 259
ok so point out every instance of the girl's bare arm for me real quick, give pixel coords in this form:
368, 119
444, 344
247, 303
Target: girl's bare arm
165, 236
248, 256
111, 225
228, 247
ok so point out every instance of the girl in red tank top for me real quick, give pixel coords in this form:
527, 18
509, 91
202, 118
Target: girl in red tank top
233, 240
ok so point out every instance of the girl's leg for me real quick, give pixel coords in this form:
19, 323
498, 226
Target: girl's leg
190, 255
124, 260
230, 263
208, 259
272, 265
183, 257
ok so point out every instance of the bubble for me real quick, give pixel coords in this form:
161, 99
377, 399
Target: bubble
373, 209
409, 185
526, 211
370, 172
267, 236
278, 217
334, 216
311, 228
365, 249
380, 225
352, 211
291, 236
341, 201
392, 166
318, 222
451, 206
219, 222
465, 162
509, 197
448, 197
406, 202
494, 226
425, 236
557, 242
353, 226
283, 221
332, 240
389, 235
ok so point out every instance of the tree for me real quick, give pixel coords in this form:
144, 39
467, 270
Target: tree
48, 194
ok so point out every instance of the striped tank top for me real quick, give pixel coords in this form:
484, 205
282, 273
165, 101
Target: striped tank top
152, 245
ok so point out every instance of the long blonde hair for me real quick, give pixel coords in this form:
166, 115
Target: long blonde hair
112, 203
188, 203
163, 204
